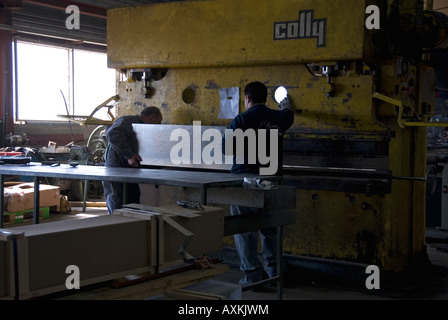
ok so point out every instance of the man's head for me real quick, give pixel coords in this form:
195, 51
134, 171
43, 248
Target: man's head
255, 93
151, 115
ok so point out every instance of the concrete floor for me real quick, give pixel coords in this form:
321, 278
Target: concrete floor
428, 283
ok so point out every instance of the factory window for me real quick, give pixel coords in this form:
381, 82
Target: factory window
52, 81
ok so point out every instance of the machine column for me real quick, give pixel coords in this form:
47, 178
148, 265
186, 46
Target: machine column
444, 221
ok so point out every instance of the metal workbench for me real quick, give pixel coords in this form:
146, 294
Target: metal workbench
191, 179
224, 188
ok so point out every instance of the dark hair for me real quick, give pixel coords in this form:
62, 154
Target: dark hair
148, 111
257, 92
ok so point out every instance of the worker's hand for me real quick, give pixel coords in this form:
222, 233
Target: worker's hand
285, 104
135, 161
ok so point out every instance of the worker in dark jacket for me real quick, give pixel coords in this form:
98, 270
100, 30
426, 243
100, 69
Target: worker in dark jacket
122, 151
258, 116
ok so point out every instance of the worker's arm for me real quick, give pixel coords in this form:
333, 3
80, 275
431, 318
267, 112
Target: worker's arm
286, 107
285, 104
135, 160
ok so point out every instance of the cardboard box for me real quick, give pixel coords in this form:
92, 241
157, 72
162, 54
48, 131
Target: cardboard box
103, 248
20, 197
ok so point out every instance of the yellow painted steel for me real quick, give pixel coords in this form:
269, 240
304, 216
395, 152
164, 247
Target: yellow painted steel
208, 45
231, 32
348, 112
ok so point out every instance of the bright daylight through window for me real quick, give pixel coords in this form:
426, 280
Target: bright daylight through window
47, 74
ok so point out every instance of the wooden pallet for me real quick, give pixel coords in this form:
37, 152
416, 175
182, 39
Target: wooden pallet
150, 288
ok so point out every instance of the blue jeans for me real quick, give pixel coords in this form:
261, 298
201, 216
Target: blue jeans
247, 248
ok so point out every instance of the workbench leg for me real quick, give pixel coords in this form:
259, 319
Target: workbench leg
36, 201
280, 263
2, 198
204, 196
84, 196
125, 193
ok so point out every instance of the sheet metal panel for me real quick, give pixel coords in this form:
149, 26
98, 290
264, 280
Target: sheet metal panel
157, 142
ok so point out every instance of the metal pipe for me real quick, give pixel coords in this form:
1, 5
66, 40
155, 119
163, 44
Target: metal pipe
85, 9
68, 114
97, 41
409, 178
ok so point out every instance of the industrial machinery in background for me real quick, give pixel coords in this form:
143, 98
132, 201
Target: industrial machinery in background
91, 154
17, 151
97, 142
437, 159
360, 77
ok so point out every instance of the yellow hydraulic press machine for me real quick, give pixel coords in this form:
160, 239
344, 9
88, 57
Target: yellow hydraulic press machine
359, 76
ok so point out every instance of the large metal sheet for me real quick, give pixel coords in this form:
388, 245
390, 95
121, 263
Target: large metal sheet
155, 153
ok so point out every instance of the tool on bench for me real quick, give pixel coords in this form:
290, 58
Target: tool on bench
190, 205
51, 163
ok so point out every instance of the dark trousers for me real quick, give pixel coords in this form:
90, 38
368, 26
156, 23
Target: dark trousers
115, 191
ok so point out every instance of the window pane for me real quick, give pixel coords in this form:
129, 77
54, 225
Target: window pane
94, 83
42, 72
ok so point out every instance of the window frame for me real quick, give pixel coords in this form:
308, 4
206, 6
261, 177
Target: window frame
70, 46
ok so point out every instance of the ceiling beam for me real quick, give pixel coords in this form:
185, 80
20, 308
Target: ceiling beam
11, 4
84, 9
